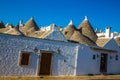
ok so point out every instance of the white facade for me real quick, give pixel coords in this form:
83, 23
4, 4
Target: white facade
107, 33
57, 36
51, 27
9, 61
68, 59
113, 65
86, 64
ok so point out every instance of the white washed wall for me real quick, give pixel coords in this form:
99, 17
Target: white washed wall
56, 35
71, 59
63, 63
9, 55
85, 63
113, 64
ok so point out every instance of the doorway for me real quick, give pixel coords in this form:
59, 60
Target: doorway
103, 63
45, 64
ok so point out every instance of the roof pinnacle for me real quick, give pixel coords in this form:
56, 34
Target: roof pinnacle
70, 23
32, 18
86, 18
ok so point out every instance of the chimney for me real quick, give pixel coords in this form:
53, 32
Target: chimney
108, 32
20, 25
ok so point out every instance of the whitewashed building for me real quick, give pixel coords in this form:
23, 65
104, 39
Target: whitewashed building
52, 54
107, 33
24, 56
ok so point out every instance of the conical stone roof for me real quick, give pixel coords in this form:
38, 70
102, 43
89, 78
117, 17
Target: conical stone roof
29, 27
69, 30
78, 37
102, 41
3, 30
87, 30
6, 28
37, 34
14, 31
118, 40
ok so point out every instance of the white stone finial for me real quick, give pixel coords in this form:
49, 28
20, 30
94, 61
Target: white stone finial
20, 22
86, 18
70, 23
32, 18
96, 30
7, 24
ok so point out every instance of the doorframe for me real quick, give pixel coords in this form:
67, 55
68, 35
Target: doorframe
39, 61
106, 64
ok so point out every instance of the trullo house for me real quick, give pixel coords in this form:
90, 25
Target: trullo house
27, 50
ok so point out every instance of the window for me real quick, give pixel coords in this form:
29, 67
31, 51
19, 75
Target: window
24, 58
66, 32
110, 57
116, 57
97, 56
93, 57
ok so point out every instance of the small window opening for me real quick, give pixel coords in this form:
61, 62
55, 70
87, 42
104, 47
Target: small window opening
93, 57
110, 57
64, 60
97, 56
66, 32
116, 57
24, 58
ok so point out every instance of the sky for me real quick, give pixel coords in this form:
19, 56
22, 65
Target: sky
101, 13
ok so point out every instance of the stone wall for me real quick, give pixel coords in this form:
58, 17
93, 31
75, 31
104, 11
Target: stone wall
63, 62
69, 59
